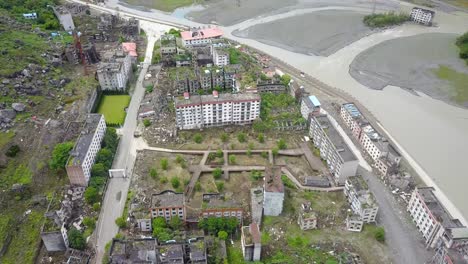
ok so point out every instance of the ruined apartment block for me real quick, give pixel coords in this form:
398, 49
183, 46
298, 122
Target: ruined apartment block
199, 111
114, 71
168, 204
83, 155
310, 105
333, 149
216, 205
273, 191
251, 242
361, 199
65, 18
307, 219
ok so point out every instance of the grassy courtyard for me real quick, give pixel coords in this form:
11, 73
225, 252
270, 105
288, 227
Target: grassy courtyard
113, 108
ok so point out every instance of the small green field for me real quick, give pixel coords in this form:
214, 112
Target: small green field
458, 81
163, 5
113, 108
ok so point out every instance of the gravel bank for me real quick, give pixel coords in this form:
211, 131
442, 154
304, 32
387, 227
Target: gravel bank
318, 33
408, 63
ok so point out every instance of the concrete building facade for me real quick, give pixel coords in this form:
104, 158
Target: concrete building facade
251, 242
217, 206
83, 155
273, 191
114, 73
168, 204
220, 57
307, 219
361, 199
199, 111
354, 223
310, 105
341, 161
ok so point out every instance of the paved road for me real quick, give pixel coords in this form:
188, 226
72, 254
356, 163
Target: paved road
116, 194
404, 241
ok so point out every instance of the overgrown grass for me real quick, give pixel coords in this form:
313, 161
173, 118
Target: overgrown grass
164, 5
15, 173
385, 19
458, 81
80, 87
20, 48
5, 138
113, 108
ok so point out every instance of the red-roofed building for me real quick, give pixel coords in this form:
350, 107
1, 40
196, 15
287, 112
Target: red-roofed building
200, 37
130, 48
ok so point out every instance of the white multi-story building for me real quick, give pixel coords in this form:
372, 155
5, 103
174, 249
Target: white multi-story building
113, 75
361, 199
83, 155
422, 16
333, 149
437, 226
273, 191
220, 57
353, 119
199, 111
200, 37
310, 105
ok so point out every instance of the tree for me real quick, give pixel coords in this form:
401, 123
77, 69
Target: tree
105, 157
219, 153
91, 195
261, 138
111, 140
175, 223
153, 173
98, 170
223, 235
12, 151
89, 222
76, 239
281, 144
224, 137
379, 234
175, 182
198, 138
121, 222
146, 122
164, 163
159, 222
96, 206
256, 175
232, 159
275, 151
60, 155
220, 186
285, 79
241, 137
217, 173
162, 234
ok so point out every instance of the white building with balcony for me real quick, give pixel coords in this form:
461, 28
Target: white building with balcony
361, 199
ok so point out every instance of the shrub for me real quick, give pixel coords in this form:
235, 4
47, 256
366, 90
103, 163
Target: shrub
386, 19
175, 223
159, 222
91, 195
60, 155
219, 153
281, 144
217, 173
163, 180
287, 182
249, 152
164, 163
264, 155
96, 207
256, 175
223, 235
98, 170
146, 122
76, 239
261, 138
179, 159
220, 186
275, 151
379, 234
154, 173
211, 156
175, 182
149, 88
198, 138
12, 151
224, 137
232, 159
121, 222
241, 137
89, 222
197, 186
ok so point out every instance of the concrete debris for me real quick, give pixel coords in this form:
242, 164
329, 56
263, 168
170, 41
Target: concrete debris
18, 107
7, 115
26, 73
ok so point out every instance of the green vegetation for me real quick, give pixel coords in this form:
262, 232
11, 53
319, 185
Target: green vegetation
241, 137
76, 239
146, 122
256, 175
164, 164
214, 225
232, 159
277, 107
285, 79
162, 231
175, 32
113, 108
164, 5
458, 81
462, 44
45, 16
281, 144
261, 138
234, 55
220, 186
379, 234
385, 19
6, 137
224, 137
12, 151
287, 182
223, 235
198, 138
217, 173
275, 151
149, 89
60, 155
175, 182
121, 222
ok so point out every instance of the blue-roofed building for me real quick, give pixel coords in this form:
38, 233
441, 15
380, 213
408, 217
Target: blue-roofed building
30, 15
353, 119
310, 105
